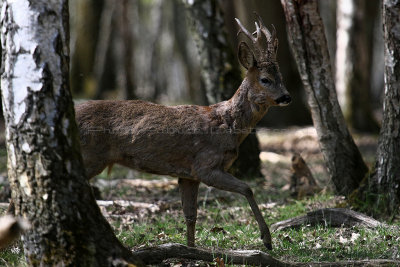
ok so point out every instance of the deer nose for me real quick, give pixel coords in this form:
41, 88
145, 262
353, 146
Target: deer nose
284, 100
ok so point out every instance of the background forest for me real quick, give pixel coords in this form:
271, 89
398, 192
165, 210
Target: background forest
146, 49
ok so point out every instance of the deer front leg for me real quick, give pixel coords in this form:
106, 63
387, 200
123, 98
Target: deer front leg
225, 181
189, 190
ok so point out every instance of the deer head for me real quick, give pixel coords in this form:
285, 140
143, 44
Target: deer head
262, 68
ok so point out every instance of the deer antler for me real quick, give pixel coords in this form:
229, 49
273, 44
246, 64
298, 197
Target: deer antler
245, 31
256, 37
263, 28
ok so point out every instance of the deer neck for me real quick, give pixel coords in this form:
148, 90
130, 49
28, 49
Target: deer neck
241, 112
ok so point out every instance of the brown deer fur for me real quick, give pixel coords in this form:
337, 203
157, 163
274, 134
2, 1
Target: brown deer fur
195, 143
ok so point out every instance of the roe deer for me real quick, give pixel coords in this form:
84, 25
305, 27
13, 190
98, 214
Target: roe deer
194, 143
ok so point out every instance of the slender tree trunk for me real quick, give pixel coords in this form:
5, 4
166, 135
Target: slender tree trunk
45, 169
377, 62
84, 35
191, 69
221, 73
124, 49
103, 72
353, 63
157, 77
386, 181
306, 34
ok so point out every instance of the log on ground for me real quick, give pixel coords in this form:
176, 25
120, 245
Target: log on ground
333, 217
154, 255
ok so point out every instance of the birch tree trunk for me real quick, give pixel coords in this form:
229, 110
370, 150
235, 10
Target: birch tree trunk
221, 73
49, 187
353, 63
386, 181
306, 35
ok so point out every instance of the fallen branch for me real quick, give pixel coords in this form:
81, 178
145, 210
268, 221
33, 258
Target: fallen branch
154, 255
334, 217
126, 203
351, 263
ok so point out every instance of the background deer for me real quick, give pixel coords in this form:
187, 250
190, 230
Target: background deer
194, 143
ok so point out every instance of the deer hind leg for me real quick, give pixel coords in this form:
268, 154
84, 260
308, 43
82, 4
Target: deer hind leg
225, 181
94, 166
189, 190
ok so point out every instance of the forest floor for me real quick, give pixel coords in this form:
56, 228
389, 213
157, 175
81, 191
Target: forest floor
145, 209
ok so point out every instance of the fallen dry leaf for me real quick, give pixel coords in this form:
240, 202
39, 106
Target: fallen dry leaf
219, 262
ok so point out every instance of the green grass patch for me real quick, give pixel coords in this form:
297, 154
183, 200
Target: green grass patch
230, 225
13, 256
320, 243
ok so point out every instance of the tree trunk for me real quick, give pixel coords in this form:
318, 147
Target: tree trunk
386, 181
103, 68
377, 62
328, 10
353, 63
49, 187
182, 40
84, 35
157, 76
306, 34
221, 74
124, 49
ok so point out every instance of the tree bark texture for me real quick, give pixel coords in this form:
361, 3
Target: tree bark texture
45, 169
220, 71
221, 74
353, 63
386, 181
306, 34
328, 12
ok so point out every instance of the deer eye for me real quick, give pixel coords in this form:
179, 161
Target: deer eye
266, 81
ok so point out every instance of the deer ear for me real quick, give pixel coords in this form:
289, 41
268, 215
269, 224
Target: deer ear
246, 56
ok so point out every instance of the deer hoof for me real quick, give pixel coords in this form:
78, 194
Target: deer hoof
268, 245
267, 241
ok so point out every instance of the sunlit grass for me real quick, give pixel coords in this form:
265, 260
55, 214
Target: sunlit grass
232, 226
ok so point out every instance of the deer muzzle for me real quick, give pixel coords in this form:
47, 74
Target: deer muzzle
283, 100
